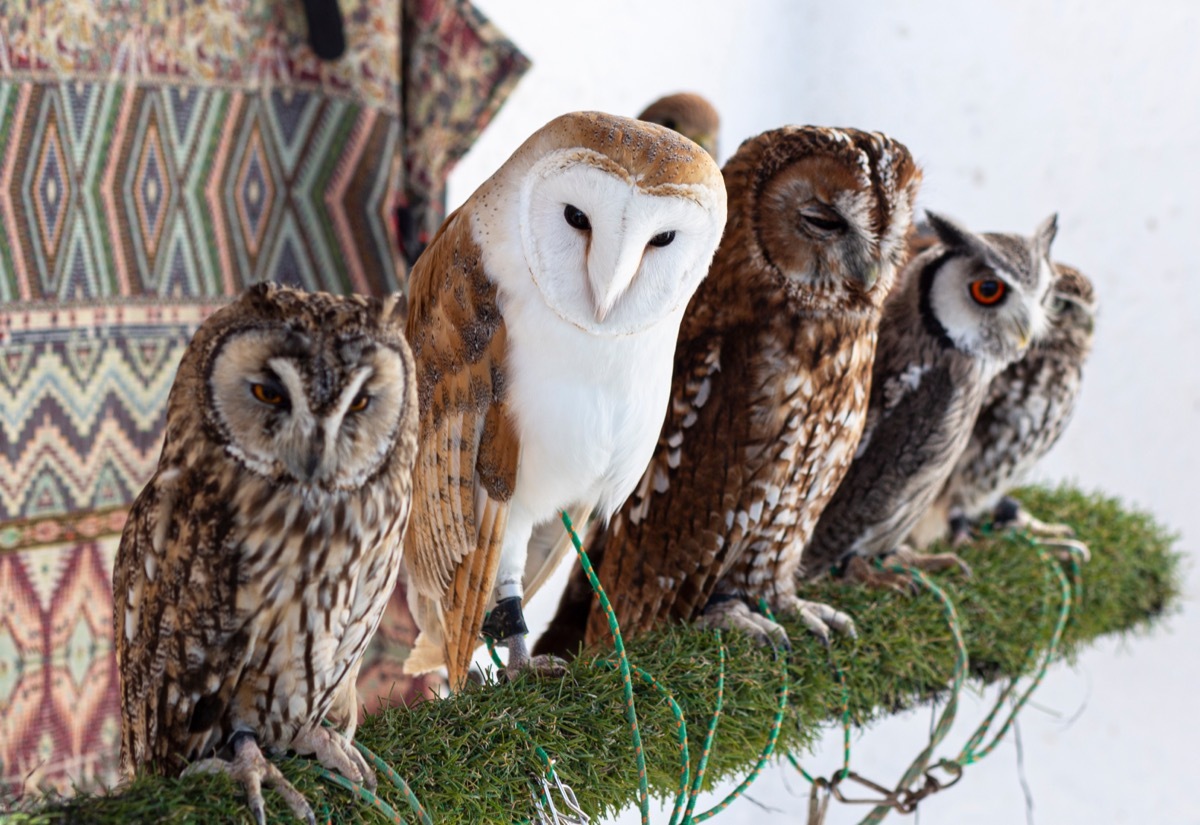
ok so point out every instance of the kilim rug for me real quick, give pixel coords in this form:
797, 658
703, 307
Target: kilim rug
155, 158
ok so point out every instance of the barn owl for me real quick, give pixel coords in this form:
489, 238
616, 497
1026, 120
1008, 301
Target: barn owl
544, 318
256, 564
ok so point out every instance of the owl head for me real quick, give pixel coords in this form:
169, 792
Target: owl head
690, 115
986, 293
305, 389
823, 212
613, 221
1072, 309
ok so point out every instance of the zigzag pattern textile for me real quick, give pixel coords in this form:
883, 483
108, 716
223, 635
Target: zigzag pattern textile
155, 158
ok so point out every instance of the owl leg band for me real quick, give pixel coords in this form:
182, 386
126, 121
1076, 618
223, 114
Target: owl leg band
506, 620
251, 769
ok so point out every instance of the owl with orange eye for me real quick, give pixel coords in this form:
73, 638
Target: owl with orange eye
967, 307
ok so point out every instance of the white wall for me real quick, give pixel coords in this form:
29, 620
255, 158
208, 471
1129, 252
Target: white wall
1014, 110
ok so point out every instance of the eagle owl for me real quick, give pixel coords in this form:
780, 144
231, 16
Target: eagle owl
256, 563
966, 308
544, 317
771, 381
1027, 407
690, 115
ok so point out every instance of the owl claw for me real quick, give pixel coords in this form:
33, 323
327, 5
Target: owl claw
250, 768
519, 661
335, 752
818, 617
735, 614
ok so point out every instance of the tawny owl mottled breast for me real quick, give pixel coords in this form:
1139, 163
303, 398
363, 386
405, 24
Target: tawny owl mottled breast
256, 563
771, 380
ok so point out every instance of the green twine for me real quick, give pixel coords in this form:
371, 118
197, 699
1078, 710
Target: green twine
711, 734
772, 736
623, 662
969, 753
370, 797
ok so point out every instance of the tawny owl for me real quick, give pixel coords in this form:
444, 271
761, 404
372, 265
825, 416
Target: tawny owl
772, 377
690, 115
544, 317
966, 308
1027, 407
256, 563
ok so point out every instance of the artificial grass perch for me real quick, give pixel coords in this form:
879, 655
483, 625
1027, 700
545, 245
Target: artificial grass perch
474, 757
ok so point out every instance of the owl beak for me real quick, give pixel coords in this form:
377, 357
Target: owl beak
611, 269
868, 276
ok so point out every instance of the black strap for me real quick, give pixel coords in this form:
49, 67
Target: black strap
325, 32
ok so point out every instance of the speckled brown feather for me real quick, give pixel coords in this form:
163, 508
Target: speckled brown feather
770, 384
215, 593
468, 453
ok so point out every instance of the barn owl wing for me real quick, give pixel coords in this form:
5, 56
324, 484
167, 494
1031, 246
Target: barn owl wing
549, 545
468, 449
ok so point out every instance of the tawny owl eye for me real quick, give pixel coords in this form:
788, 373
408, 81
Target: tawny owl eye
663, 238
988, 291
269, 393
823, 219
576, 218
360, 403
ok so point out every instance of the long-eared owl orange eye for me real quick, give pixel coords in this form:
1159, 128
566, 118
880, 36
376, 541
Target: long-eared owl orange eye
267, 395
988, 291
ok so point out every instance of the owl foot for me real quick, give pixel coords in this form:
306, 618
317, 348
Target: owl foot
731, 613
519, 661
861, 570
818, 617
250, 768
1010, 513
335, 752
928, 562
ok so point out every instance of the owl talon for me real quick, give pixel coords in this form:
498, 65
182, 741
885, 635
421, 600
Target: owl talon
520, 662
251, 769
860, 570
818, 617
930, 562
335, 752
734, 614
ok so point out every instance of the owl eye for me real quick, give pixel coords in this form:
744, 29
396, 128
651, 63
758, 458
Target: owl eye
988, 291
576, 218
824, 219
663, 238
268, 393
360, 403
671, 124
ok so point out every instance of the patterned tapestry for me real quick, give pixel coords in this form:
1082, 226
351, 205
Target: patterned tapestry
156, 157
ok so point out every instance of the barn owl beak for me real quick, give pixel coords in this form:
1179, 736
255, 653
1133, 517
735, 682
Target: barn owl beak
612, 265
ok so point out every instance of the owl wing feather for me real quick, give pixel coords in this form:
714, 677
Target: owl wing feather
549, 545
468, 451
173, 598
911, 404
